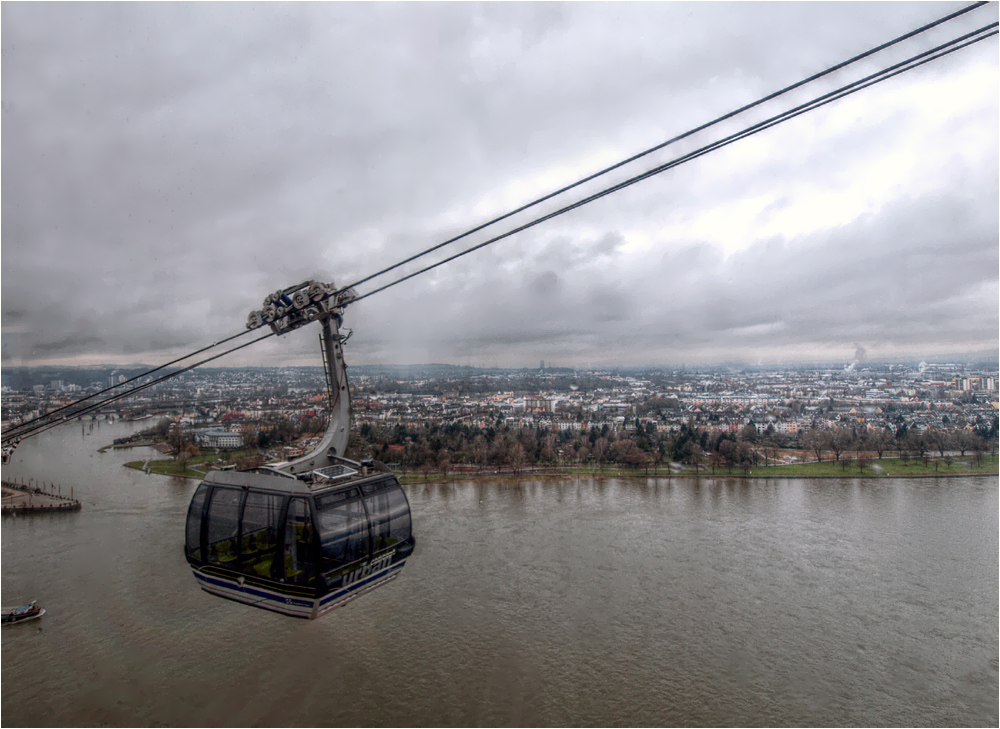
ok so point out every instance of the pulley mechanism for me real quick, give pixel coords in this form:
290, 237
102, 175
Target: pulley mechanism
293, 307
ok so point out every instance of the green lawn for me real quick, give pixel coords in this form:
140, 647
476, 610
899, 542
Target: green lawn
829, 469
885, 467
170, 467
166, 468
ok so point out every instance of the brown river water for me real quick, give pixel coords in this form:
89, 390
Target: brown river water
586, 602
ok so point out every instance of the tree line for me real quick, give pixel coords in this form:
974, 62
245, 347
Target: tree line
443, 447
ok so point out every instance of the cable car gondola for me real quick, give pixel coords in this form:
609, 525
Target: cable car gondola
297, 547
305, 536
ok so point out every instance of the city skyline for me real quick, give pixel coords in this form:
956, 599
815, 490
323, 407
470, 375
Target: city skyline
167, 166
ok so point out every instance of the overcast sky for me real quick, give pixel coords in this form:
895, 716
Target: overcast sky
165, 166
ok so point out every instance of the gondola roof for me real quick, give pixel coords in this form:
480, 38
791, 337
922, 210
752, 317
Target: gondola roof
321, 479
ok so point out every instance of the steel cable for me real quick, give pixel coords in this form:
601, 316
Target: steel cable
673, 140
19, 430
840, 93
42, 427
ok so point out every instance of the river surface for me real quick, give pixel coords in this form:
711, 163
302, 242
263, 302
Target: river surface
585, 602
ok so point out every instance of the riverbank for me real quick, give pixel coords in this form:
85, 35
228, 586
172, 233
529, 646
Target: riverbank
887, 468
22, 499
195, 467
165, 468
884, 468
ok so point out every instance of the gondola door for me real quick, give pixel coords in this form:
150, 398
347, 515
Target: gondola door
344, 536
299, 544
222, 527
259, 529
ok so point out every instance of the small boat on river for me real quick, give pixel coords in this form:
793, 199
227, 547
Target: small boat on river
21, 614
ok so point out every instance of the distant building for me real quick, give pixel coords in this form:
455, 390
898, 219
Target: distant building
972, 384
218, 438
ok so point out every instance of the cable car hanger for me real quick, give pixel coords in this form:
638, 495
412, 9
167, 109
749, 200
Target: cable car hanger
304, 536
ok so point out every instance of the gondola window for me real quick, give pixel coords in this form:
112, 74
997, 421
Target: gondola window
193, 536
300, 567
259, 533
343, 529
389, 514
223, 526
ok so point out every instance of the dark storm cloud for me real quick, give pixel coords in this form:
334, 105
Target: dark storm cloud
165, 166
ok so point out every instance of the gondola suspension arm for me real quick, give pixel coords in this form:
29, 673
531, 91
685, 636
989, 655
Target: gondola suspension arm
292, 308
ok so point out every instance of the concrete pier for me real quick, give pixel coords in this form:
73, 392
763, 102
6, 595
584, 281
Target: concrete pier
25, 499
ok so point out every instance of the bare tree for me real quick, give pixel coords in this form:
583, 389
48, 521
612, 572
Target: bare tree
480, 451
861, 443
548, 453
916, 443
499, 454
749, 433
637, 458
599, 450
628, 452
443, 461
187, 451
882, 440
516, 456
978, 449
746, 456
964, 440
937, 440
694, 455
815, 441
655, 456
838, 440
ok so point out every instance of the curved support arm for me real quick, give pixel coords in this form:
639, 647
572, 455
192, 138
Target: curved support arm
334, 442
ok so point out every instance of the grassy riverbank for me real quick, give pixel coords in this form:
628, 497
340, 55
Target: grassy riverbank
885, 468
166, 468
194, 468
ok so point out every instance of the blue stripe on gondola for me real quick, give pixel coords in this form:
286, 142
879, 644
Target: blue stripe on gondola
280, 599
276, 596
272, 605
360, 583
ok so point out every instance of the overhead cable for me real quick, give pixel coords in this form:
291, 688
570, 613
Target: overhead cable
673, 140
855, 86
42, 427
18, 430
